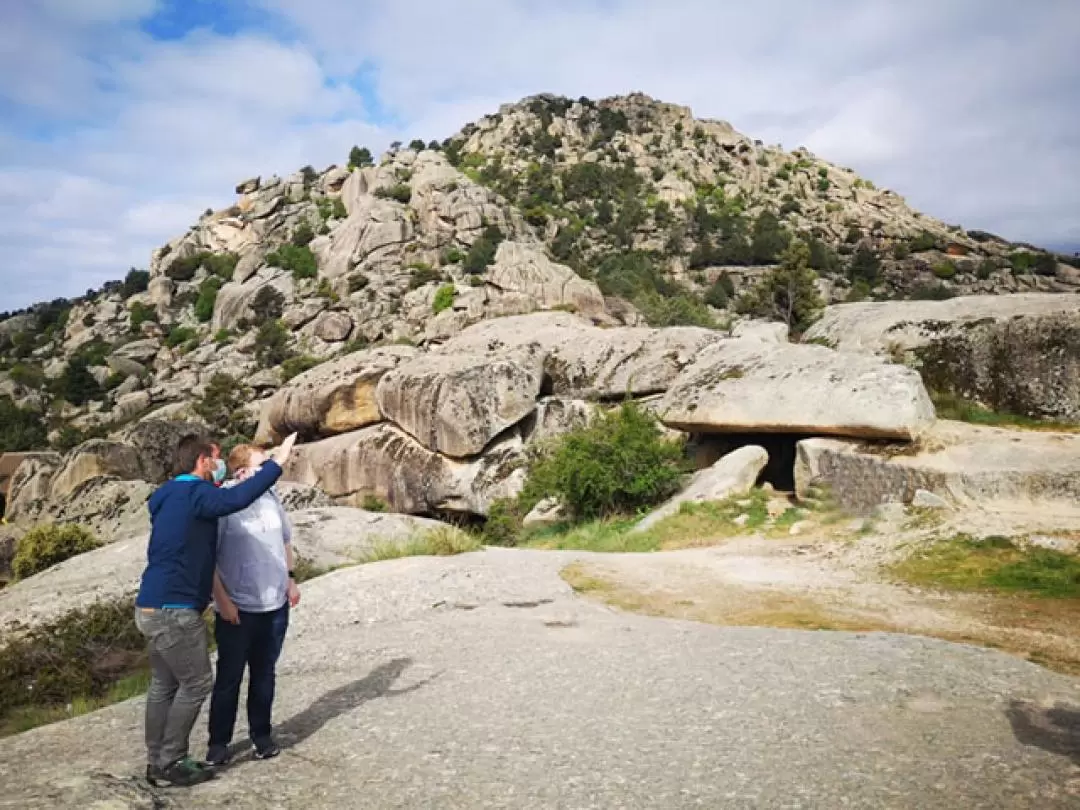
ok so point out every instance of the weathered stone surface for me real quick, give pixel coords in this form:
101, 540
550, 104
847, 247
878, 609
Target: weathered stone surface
234, 300
122, 365
734, 474
339, 535
1015, 353
456, 404
333, 327
548, 512
335, 397
524, 268
751, 387
387, 463
962, 463
586, 361
555, 416
248, 186
141, 351
296, 497
131, 404
97, 457
29, 486
112, 509
155, 441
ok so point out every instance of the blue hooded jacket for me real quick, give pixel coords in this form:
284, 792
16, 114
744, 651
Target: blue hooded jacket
183, 537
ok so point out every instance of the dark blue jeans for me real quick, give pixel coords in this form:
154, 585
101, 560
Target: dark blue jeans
254, 643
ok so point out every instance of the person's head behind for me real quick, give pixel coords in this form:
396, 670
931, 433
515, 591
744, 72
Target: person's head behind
245, 460
198, 456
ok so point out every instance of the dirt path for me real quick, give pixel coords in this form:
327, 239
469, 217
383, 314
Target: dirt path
835, 577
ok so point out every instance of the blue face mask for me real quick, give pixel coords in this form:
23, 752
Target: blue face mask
219, 471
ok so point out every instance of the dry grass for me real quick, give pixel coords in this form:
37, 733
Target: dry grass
444, 541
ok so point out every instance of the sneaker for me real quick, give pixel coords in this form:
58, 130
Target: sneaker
266, 750
185, 773
218, 755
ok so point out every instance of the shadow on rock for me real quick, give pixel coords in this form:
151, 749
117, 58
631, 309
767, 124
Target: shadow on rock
1056, 730
376, 684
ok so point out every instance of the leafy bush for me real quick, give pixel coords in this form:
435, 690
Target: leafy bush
619, 464
204, 304
986, 268
482, 252
423, 273
444, 298
504, 523
360, 157
787, 293
679, 309
217, 264
135, 282
768, 239
80, 654
931, 292
399, 192
267, 304
357, 282
302, 236
1046, 264
44, 546
178, 335
865, 266
373, 503
718, 295
294, 366
299, 261
139, 314
221, 405
337, 208
26, 375
452, 255
945, 270
923, 242
76, 384
20, 428
272, 344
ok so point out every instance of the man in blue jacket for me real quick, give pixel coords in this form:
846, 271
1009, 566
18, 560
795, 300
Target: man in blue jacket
174, 593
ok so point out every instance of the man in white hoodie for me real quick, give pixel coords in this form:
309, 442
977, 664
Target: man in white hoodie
254, 588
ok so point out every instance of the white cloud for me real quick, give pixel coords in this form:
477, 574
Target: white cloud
967, 107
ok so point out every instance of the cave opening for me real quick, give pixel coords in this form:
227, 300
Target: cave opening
707, 448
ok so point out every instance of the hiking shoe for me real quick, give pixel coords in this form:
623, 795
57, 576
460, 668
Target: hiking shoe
266, 750
185, 773
154, 775
218, 755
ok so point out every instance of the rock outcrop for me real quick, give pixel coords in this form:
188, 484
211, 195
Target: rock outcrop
1018, 353
751, 387
734, 474
958, 462
455, 404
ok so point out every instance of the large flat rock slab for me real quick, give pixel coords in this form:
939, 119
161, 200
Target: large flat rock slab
1015, 353
960, 462
481, 681
752, 387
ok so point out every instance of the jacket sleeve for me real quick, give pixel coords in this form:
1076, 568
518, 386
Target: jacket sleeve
212, 502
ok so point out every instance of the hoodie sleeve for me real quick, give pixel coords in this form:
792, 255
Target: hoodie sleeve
211, 502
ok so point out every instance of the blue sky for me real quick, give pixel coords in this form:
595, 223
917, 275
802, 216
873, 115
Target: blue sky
122, 120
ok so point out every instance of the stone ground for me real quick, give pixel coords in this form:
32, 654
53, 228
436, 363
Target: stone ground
483, 681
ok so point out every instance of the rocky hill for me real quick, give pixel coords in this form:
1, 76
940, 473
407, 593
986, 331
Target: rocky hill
348, 304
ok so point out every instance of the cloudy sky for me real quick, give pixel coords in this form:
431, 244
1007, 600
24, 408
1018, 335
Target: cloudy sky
122, 120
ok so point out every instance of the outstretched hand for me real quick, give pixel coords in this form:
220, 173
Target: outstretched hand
281, 453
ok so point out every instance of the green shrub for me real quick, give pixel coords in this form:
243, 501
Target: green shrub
135, 282
444, 298
788, 293
399, 192
272, 344
302, 236
931, 292
923, 242
76, 384
986, 268
221, 405
373, 503
80, 654
204, 304
20, 428
299, 261
26, 375
357, 282
360, 157
44, 546
483, 250
718, 295
618, 465
865, 266
294, 366
945, 270
452, 255
504, 523
900, 251
178, 335
337, 208
139, 314
423, 273
1046, 264
223, 336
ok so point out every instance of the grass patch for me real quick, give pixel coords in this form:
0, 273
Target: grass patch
442, 542
994, 564
27, 717
951, 406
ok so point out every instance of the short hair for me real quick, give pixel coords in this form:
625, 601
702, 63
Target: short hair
240, 457
188, 452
